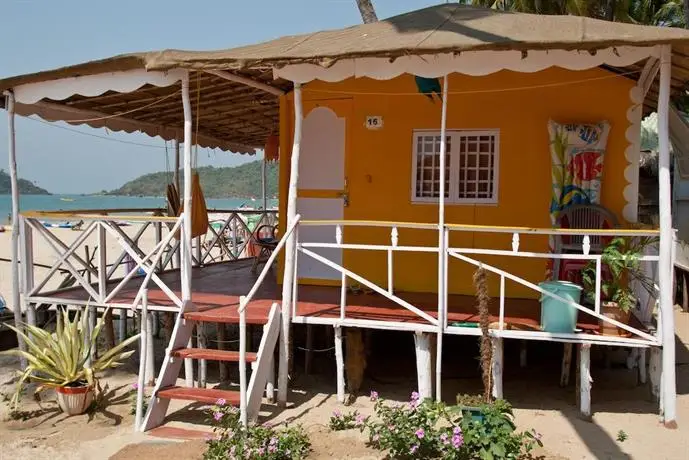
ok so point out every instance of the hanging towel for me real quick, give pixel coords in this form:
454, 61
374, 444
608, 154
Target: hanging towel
271, 152
173, 204
199, 212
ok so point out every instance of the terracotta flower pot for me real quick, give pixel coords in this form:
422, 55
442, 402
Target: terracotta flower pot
74, 400
612, 311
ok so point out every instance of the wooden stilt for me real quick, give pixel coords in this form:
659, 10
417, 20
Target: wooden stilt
189, 366
585, 380
566, 365
270, 384
424, 370
355, 362
203, 364
309, 349
339, 365
497, 366
642, 366
522, 353
222, 345
122, 326
655, 370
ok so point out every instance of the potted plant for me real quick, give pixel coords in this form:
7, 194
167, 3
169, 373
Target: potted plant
622, 258
60, 360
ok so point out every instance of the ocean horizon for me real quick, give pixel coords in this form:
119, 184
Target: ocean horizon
67, 202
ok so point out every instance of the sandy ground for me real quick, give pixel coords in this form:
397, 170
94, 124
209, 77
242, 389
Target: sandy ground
619, 403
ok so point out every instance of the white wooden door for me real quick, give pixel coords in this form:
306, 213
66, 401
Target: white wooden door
321, 187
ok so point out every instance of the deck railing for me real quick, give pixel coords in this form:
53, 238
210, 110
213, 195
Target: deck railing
469, 256
233, 240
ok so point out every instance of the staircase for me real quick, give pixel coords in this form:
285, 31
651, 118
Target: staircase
261, 363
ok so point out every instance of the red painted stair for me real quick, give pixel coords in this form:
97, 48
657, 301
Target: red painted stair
204, 395
211, 354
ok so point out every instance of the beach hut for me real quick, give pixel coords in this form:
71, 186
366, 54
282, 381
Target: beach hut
413, 150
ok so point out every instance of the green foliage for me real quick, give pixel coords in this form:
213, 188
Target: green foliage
243, 181
233, 441
622, 436
132, 400
430, 430
622, 256
60, 359
25, 187
341, 422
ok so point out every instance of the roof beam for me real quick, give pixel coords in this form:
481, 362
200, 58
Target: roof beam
246, 81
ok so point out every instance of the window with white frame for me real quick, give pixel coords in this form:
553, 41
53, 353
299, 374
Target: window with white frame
471, 166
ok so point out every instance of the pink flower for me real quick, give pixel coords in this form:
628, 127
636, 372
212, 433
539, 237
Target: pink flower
456, 430
261, 451
457, 441
337, 413
444, 439
415, 396
135, 386
221, 402
359, 420
217, 416
420, 433
413, 449
272, 449
374, 395
375, 438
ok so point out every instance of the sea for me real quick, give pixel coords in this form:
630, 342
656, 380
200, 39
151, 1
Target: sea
82, 202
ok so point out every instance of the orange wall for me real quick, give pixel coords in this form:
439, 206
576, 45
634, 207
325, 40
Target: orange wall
378, 163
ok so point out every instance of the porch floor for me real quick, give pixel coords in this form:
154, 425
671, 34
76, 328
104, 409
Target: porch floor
217, 288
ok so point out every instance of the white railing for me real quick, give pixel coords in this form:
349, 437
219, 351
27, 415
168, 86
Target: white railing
243, 302
97, 277
463, 254
234, 239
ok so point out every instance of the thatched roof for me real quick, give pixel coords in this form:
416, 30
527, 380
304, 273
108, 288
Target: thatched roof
236, 113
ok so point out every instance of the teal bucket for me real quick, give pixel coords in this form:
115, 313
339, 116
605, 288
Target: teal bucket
557, 316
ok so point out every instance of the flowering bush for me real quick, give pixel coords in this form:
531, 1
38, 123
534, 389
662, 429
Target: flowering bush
430, 430
233, 441
340, 421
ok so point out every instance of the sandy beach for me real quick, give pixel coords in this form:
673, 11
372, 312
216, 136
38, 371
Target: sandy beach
619, 404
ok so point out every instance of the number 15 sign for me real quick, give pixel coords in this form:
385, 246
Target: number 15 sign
374, 122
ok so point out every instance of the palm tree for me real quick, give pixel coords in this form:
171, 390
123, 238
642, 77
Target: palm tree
367, 11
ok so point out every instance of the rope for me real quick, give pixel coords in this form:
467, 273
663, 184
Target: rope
107, 117
478, 91
323, 350
198, 116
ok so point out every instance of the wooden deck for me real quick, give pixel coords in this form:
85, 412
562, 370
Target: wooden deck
217, 288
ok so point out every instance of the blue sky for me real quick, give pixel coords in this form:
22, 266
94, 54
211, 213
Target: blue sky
44, 34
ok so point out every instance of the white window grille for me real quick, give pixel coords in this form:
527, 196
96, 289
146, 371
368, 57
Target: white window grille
471, 167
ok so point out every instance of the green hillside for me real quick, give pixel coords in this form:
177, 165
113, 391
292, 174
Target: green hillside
242, 181
25, 187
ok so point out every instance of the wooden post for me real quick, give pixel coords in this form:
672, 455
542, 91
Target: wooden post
655, 371
669, 390
16, 301
202, 343
585, 380
309, 349
339, 365
283, 378
642, 366
264, 185
442, 268
27, 269
186, 243
566, 364
496, 367
143, 343
222, 345
122, 326
189, 366
242, 361
424, 375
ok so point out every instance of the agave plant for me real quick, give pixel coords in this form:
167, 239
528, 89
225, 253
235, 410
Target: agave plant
61, 358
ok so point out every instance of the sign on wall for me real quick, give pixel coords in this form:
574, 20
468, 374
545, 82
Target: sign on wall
374, 122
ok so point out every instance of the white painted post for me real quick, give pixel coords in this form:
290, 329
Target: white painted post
442, 268
143, 343
150, 350
424, 373
394, 241
189, 367
270, 383
585, 380
102, 263
242, 361
27, 269
496, 367
122, 326
343, 278
283, 377
177, 255
16, 305
654, 371
186, 243
665, 269
202, 343
339, 363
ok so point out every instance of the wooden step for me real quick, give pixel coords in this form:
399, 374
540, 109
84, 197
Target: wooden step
171, 432
255, 314
204, 395
211, 354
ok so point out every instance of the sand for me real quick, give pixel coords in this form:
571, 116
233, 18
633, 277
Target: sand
619, 404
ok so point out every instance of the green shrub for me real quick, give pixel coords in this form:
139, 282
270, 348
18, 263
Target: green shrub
341, 422
233, 441
431, 430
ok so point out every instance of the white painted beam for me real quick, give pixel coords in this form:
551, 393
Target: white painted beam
424, 370
497, 366
246, 81
585, 380
339, 363
648, 74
